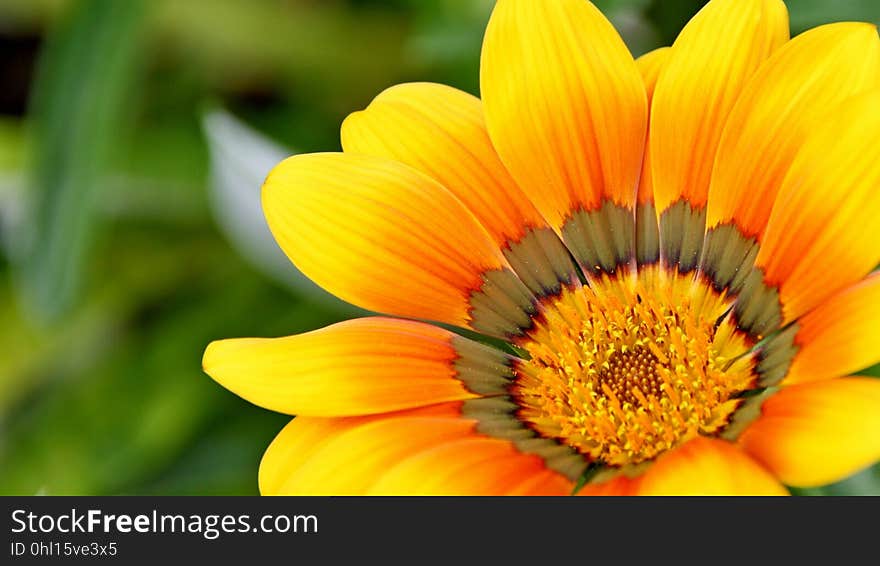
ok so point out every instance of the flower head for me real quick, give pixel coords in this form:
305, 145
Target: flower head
676, 250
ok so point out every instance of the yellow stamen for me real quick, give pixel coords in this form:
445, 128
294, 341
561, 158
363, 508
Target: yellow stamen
628, 368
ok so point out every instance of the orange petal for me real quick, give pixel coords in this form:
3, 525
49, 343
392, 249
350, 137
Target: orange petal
650, 64
620, 485
788, 95
647, 228
840, 336
546, 482
471, 466
713, 57
565, 104
823, 232
818, 433
385, 237
441, 131
303, 436
350, 462
708, 466
358, 367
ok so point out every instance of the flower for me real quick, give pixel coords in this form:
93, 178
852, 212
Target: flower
676, 249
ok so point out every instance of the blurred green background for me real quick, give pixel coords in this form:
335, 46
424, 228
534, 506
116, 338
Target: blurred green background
134, 135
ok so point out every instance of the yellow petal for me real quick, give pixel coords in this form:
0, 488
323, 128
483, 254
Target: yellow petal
792, 91
565, 105
383, 236
472, 466
707, 466
818, 433
357, 367
841, 336
352, 461
713, 57
441, 131
295, 443
304, 436
823, 232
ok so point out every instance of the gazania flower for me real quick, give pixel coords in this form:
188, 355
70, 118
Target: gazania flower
672, 256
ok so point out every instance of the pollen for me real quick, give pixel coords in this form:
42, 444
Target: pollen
629, 367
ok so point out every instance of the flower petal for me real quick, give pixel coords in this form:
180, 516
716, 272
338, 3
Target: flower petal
358, 367
303, 436
566, 110
823, 232
647, 231
388, 238
350, 462
441, 131
818, 433
650, 64
707, 466
546, 482
293, 446
840, 336
792, 90
620, 485
713, 57
471, 466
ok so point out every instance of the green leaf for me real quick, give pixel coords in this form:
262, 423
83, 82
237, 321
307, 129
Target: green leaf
807, 14
83, 79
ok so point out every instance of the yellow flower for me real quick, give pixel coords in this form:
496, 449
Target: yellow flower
677, 249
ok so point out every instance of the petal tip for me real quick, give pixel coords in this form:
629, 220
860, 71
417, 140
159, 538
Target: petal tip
213, 360
209, 358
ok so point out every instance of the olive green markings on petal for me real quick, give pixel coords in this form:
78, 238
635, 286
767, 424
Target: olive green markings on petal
775, 356
496, 417
728, 257
745, 414
502, 306
486, 408
728, 261
557, 457
629, 471
647, 234
601, 239
483, 369
542, 261
758, 310
682, 230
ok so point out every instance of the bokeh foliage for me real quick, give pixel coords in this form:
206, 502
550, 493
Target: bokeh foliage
114, 272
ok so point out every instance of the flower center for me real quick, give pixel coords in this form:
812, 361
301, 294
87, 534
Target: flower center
627, 368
